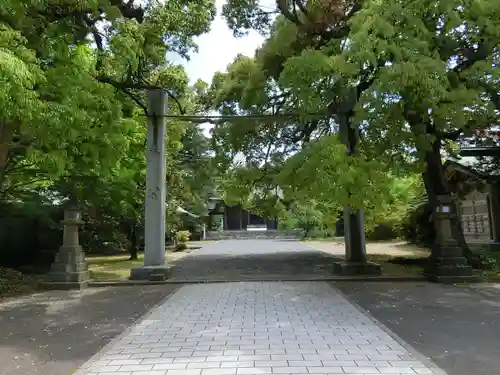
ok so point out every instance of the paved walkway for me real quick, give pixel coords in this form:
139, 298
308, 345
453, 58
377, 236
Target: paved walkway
252, 328
240, 260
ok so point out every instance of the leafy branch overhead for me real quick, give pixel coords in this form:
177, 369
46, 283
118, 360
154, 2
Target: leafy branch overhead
131, 39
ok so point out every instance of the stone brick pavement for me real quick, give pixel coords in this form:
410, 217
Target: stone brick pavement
252, 328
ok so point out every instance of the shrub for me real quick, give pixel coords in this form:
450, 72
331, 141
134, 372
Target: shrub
10, 280
382, 232
319, 233
417, 226
287, 221
182, 236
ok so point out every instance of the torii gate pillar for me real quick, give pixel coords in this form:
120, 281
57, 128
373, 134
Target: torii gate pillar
154, 253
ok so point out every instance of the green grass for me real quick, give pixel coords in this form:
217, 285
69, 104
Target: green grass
397, 258
490, 269
322, 239
112, 267
117, 267
414, 265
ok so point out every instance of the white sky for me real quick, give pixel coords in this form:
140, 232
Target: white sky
218, 48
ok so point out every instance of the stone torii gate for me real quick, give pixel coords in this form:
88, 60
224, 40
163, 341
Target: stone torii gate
154, 258
69, 271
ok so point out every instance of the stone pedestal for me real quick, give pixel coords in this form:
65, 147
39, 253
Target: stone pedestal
69, 270
446, 263
355, 248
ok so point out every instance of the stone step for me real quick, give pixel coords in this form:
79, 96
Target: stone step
253, 234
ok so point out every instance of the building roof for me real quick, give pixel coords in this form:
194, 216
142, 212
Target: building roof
480, 151
479, 166
182, 211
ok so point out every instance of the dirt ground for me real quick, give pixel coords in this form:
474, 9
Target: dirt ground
390, 248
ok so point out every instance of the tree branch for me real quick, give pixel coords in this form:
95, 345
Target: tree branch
24, 183
128, 10
283, 8
137, 101
494, 96
450, 136
302, 8
472, 55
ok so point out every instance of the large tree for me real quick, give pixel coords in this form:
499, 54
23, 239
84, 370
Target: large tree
439, 81
74, 77
410, 77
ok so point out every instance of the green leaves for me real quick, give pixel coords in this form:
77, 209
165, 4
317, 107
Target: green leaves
324, 171
19, 73
421, 73
243, 15
310, 77
83, 138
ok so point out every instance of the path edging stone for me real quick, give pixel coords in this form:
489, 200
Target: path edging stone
125, 282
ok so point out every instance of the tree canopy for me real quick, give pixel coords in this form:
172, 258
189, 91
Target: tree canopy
73, 86
408, 78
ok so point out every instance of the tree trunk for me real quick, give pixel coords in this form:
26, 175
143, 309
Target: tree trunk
6, 136
134, 249
436, 184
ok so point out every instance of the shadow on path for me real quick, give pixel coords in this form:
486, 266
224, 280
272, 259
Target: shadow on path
238, 260
54, 333
458, 327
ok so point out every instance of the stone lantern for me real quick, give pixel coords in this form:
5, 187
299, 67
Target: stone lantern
447, 262
212, 203
69, 270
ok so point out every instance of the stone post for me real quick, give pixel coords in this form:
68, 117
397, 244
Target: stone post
154, 253
447, 262
69, 270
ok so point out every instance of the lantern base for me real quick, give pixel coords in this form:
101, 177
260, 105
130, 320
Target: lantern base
448, 270
69, 270
447, 265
